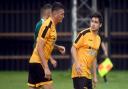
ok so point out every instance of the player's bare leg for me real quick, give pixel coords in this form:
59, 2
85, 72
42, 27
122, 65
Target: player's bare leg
48, 86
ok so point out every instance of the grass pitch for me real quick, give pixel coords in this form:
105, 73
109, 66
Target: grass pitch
62, 80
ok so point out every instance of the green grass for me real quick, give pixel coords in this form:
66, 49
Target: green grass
62, 80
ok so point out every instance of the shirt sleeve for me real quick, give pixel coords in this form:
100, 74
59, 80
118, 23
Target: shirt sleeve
79, 41
44, 32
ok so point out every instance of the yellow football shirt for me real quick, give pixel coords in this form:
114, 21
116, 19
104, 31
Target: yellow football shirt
87, 45
47, 33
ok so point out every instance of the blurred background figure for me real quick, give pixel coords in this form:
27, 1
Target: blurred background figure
104, 47
105, 55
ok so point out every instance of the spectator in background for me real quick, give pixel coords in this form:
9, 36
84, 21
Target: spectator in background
39, 72
105, 53
84, 52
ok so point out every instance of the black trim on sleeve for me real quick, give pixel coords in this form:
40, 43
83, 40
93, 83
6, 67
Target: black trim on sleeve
78, 37
86, 31
46, 29
82, 33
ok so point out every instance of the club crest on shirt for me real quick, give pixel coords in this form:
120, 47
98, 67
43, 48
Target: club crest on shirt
90, 40
92, 52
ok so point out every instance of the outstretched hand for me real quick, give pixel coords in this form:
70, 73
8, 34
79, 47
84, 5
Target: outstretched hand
61, 49
53, 62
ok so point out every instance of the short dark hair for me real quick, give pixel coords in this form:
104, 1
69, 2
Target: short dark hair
57, 6
46, 6
97, 15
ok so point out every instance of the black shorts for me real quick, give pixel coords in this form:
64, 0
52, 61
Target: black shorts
82, 83
36, 77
